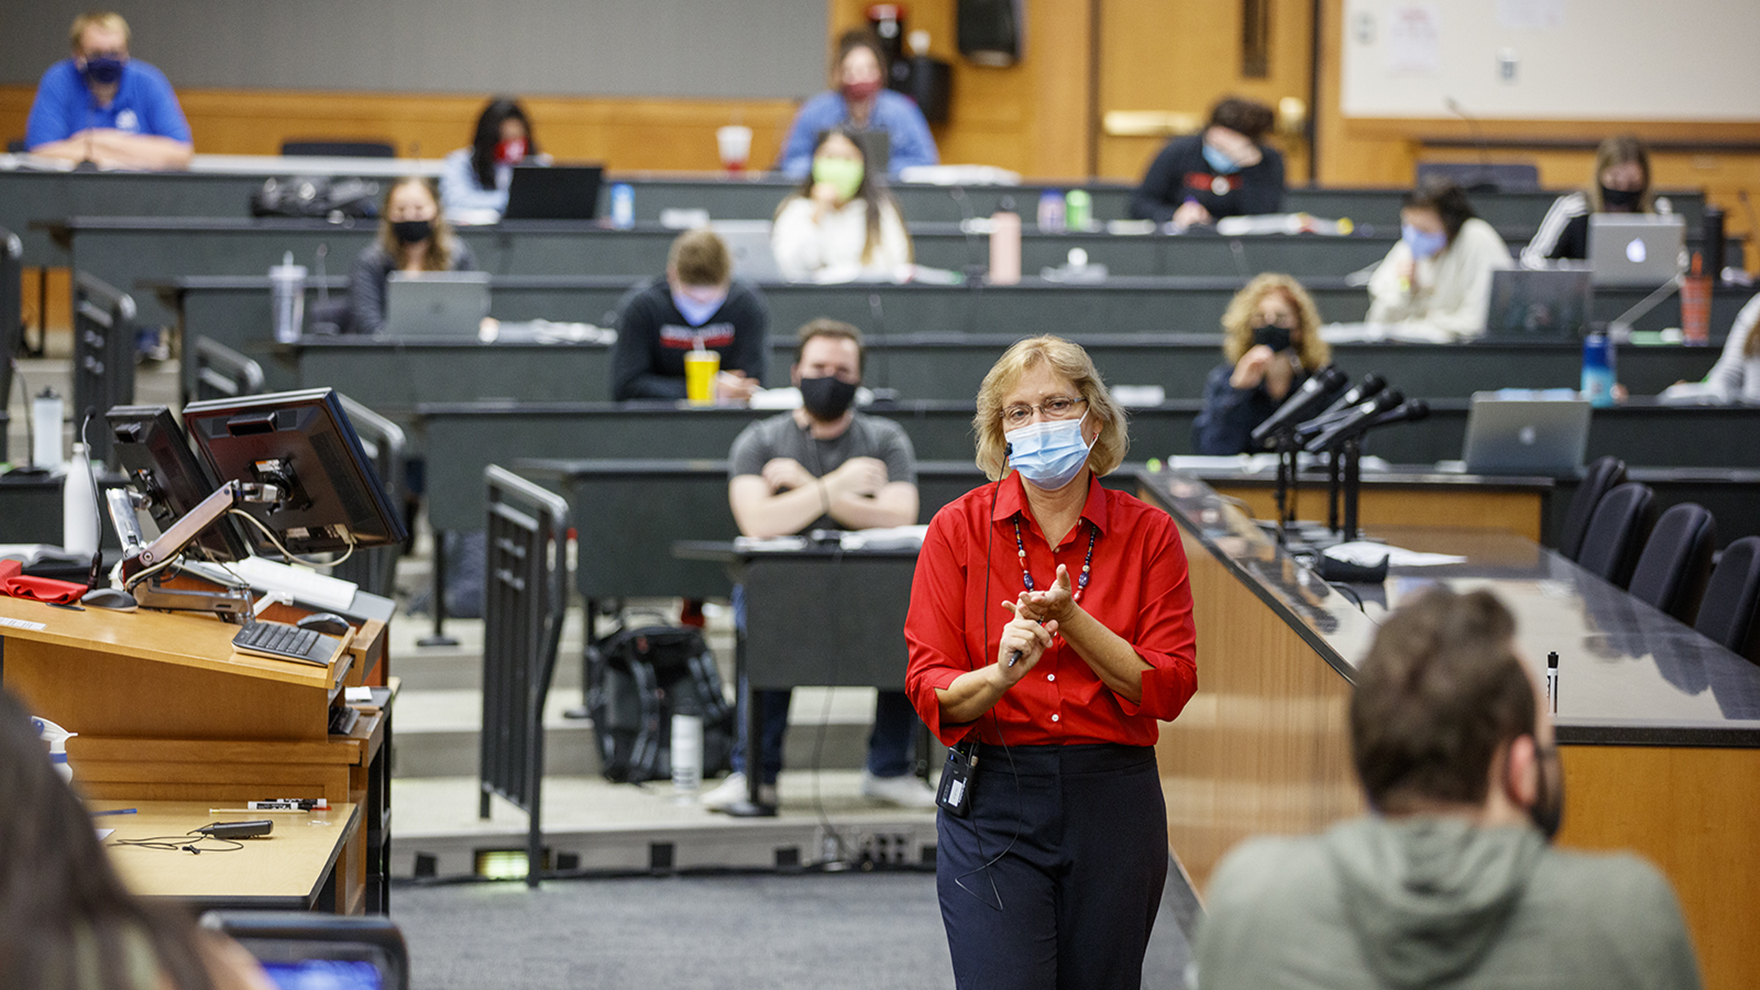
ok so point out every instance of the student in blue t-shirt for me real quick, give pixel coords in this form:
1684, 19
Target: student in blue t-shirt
103, 107
861, 102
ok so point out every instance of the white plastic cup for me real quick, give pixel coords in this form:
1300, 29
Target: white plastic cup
687, 753
735, 144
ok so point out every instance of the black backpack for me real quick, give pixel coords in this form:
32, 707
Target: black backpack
637, 679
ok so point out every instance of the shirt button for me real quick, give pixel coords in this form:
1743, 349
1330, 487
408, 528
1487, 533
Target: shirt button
1054, 718
1051, 677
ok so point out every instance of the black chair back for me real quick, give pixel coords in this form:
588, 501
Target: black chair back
103, 357
223, 373
1617, 531
339, 149
1598, 480
1732, 598
1676, 562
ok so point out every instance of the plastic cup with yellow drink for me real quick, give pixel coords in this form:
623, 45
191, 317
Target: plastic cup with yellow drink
700, 367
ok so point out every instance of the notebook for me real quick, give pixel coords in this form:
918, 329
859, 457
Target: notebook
1640, 249
1525, 436
553, 192
436, 304
1537, 305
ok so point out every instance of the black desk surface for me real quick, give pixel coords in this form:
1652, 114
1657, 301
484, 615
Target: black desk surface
1627, 673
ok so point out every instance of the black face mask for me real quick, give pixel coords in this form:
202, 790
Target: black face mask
412, 231
1275, 337
1547, 812
1620, 199
827, 399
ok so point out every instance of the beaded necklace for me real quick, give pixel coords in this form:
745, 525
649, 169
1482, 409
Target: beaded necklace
1087, 562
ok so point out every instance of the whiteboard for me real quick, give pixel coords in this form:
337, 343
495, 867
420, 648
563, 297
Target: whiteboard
1572, 59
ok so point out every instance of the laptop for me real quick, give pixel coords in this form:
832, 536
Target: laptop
1538, 305
1525, 436
1639, 249
553, 192
748, 241
436, 304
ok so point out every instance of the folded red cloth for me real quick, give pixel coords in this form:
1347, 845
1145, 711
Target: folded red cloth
14, 583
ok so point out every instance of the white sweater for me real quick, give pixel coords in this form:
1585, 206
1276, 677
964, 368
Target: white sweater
833, 246
1737, 375
1450, 291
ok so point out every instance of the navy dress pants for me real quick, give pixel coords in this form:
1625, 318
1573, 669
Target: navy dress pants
1054, 878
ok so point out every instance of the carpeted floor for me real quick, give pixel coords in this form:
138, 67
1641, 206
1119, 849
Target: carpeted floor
854, 931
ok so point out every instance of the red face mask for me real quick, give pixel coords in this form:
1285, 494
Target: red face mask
511, 152
861, 92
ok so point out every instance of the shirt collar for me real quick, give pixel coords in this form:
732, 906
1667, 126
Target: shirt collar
1012, 498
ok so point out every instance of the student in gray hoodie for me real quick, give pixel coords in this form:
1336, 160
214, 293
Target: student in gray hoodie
1452, 880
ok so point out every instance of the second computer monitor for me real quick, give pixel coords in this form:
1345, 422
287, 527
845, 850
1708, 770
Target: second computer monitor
153, 452
303, 444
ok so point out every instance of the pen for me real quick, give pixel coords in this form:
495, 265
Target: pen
117, 811
1552, 681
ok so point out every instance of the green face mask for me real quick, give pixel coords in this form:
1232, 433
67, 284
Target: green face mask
844, 174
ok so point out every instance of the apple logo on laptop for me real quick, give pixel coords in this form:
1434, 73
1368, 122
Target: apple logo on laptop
1527, 435
1635, 252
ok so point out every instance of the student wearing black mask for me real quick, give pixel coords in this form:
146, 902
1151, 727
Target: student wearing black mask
1271, 339
1622, 185
413, 237
826, 466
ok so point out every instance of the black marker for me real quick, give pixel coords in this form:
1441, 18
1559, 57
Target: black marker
1552, 681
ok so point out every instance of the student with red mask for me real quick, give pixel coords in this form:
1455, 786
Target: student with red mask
473, 180
859, 102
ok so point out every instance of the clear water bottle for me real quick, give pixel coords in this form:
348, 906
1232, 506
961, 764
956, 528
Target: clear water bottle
47, 411
288, 289
1598, 370
1005, 244
623, 206
1051, 212
79, 505
1078, 210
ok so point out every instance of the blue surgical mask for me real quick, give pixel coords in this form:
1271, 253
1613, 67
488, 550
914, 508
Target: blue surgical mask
1421, 244
103, 70
1219, 162
1049, 454
696, 313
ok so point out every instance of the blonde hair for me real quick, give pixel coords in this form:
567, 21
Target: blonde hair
700, 258
443, 245
1620, 149
97, 18
1237, 322
1069, 360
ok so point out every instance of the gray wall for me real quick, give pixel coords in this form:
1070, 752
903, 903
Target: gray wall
685, 48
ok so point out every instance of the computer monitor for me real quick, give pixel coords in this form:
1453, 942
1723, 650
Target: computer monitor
303, 444
152, 451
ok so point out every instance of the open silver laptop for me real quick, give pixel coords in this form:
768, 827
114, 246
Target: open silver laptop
436, 304
1537, 305
1641, 250
1525, 436
748, 241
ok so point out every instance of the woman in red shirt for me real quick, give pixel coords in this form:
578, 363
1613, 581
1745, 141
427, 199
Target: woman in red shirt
1050, 628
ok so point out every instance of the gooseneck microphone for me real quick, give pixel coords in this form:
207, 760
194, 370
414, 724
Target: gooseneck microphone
1356, 419
1371, 384
1311, 395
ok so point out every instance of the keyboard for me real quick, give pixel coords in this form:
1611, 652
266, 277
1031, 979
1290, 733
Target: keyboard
280, 641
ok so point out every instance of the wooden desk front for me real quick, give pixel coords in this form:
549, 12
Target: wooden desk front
1659, 728
304, 864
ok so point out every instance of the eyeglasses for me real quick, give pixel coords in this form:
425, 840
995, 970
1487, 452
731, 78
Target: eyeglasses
1056, 407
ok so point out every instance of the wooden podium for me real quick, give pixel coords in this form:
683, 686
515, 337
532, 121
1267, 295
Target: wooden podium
166, 711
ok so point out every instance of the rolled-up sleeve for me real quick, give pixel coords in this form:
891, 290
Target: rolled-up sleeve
934, 628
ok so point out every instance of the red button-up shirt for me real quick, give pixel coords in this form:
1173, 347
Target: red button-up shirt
1138, 588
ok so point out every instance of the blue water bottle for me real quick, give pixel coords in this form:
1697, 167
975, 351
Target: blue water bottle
623, 206
1598, 370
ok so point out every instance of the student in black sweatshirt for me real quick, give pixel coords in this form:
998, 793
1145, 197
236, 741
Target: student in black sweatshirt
697, 303
1223, 171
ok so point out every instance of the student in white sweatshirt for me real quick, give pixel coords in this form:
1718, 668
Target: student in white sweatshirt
841, 223
1439, 274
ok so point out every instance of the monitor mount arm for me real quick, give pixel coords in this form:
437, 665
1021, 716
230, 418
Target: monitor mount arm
141, 562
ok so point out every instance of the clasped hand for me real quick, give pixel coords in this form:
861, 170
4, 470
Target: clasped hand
1037, 617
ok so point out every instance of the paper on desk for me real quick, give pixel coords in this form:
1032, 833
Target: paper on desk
1366, 554
769, 543
885, 538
